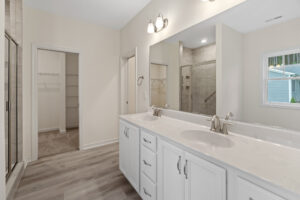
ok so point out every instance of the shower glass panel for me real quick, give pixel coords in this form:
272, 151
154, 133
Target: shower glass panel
13, 102
11, 114
6, 101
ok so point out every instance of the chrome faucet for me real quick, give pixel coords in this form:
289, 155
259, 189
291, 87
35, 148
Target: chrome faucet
226, 123
216, 125
156, 111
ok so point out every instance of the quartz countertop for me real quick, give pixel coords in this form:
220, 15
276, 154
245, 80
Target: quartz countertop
273, 163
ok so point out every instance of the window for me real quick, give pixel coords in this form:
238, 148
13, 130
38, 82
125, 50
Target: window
282, 79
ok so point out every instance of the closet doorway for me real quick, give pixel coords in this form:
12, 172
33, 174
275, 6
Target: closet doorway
57, 101
11, 101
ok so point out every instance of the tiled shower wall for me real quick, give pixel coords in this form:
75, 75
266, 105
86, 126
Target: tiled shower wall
198, 80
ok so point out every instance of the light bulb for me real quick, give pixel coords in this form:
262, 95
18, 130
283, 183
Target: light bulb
151, 28
203, 41
159, 23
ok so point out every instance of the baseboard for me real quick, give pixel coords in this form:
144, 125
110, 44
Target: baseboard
14, 180
44, 130
99, 144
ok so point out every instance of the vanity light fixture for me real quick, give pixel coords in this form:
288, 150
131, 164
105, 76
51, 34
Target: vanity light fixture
159, 25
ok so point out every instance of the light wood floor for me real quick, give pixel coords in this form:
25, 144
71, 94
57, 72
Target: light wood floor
54, 142
81, 175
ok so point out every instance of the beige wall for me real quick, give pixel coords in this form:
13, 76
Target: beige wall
284, 36
2, 111
99, 72
229, 71
181, 14
131, 86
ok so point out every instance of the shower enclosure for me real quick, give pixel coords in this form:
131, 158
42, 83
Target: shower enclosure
11, 99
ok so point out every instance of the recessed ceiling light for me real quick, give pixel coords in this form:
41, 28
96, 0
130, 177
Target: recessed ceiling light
204, 40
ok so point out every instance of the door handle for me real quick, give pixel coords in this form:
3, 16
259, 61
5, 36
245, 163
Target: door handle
178, 165
185, 169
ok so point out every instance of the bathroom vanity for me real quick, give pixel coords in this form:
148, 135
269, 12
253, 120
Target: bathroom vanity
168, 159
245, 60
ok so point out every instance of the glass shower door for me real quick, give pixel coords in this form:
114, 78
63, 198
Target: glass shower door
11, 81
7, 107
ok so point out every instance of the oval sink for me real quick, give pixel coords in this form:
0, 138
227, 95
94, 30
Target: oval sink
208, 138
149, 118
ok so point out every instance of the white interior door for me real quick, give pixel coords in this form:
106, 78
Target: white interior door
131, 85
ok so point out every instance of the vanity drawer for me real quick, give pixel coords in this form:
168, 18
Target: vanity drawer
148, 140
148, 190
148, 163
250, 191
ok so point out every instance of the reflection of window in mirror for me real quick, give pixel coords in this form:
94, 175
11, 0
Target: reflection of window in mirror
282, 85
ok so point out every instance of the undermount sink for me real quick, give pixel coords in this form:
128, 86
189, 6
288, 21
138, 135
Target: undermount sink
208, 138
149, 117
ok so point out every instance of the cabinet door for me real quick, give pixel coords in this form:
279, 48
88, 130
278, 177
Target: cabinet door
123, 149
250, 191
204, 180
134, 156
170, 184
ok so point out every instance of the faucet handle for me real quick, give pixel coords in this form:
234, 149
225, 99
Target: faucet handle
230, 114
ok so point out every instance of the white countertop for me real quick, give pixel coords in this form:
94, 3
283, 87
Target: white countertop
277, 164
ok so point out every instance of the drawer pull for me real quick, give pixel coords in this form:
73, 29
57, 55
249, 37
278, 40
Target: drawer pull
185, 170
146, 193
179, 164
147, 141
146, 163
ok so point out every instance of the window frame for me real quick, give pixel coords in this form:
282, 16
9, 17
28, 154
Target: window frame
265, 79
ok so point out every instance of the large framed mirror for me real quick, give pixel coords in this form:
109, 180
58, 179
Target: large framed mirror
245, 60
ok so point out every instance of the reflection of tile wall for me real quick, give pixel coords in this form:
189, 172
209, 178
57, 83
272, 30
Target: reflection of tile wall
158, 85
202, 81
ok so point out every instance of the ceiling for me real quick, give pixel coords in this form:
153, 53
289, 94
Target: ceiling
247, 17
111, 13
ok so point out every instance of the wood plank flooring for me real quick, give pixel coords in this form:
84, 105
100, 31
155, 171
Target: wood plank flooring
81, 175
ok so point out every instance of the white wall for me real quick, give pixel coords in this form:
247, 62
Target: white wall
2, 111
275, 38
51, 90
229, 71
181, 14
99, 72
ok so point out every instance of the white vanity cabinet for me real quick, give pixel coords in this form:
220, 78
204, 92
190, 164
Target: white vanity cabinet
129, 153
250, 191
182, 175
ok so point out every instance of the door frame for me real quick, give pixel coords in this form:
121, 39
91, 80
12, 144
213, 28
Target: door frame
123, 80
34, 101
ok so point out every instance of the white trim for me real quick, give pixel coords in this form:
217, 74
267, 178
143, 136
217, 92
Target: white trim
34, 122
265, 78
100, 144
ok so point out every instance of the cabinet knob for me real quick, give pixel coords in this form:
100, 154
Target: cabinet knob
147, 141
146, 163
146, 193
